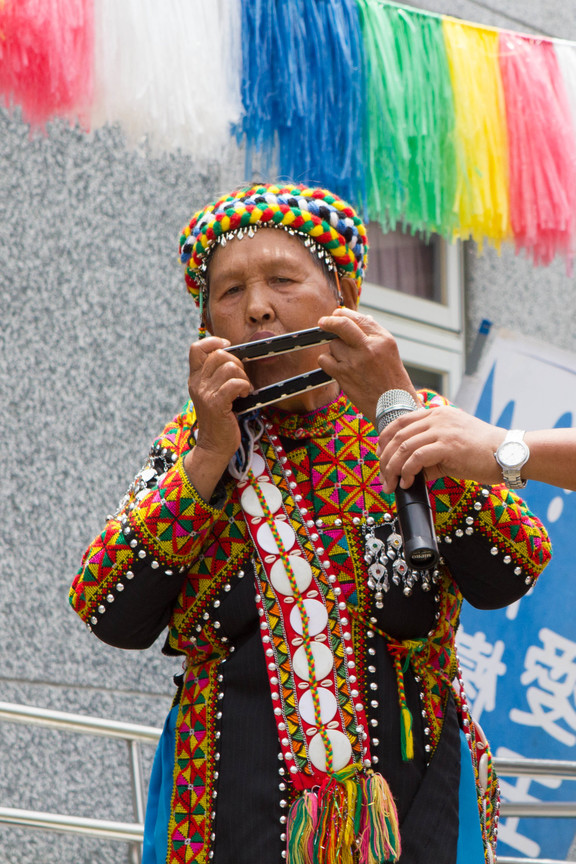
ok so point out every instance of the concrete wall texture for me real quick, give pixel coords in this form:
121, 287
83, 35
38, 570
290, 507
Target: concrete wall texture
95, 328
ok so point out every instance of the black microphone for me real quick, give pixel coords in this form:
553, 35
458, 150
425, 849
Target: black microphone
413, 505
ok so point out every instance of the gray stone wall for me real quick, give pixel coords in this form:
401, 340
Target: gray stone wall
96, 324
95, 328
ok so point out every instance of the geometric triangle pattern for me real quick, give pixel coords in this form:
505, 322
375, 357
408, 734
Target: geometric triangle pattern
195, 762
334, 464
499, 515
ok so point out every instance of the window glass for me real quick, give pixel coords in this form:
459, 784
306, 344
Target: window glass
409, 263
428, 379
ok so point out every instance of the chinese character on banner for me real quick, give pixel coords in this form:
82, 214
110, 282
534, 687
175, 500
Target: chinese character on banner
481, 664
519, 663
517, 790
550, 681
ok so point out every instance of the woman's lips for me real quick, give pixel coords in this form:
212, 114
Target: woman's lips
263, 334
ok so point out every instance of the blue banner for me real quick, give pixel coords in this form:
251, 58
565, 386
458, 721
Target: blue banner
519, 663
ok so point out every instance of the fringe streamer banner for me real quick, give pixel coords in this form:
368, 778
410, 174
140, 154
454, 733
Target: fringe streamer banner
302, 92
409, 121
46, 62
169, 72
542, 148
420, 120
481, 199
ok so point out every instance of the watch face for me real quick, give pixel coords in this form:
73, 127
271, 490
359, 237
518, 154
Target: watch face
512, 453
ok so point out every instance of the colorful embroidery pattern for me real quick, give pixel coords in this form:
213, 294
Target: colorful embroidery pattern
195, 761
279, 607
336, 469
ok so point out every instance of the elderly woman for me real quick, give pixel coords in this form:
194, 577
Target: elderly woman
321, 716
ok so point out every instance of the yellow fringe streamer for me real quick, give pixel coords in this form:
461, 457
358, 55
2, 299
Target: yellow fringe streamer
482, 193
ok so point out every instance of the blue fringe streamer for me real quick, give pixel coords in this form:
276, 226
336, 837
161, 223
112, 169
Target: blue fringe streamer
302, 90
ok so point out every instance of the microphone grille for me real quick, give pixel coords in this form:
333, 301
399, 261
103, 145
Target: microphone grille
391, 405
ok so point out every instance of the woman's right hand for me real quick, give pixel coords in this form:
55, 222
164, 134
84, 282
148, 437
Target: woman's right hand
215, 380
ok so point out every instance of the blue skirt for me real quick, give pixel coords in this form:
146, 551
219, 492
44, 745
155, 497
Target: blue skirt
470, 848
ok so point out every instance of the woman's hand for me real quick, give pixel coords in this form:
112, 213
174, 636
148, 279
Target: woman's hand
216, 378
364, 359
442, 441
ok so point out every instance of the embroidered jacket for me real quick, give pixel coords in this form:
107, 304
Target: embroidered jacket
168, 558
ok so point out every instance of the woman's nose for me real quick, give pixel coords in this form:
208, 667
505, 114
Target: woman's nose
259, 306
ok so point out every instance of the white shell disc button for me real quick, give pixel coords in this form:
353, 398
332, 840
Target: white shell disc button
341, 750
323, 661
251, 504
257, 464
317, 618
302, 574
328, 706
266, 538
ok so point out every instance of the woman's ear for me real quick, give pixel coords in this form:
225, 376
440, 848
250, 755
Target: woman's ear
349, 291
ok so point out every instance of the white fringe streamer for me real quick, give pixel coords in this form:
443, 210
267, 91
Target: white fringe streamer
169, 72
566, 56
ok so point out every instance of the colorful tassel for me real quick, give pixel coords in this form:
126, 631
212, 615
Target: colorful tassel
351, 819
403, 651
407, 739
302, 822
383, 834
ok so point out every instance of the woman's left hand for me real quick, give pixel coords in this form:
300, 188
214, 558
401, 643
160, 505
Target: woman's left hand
364, 359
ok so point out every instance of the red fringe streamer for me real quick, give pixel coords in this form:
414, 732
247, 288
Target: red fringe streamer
46, 58
541, 145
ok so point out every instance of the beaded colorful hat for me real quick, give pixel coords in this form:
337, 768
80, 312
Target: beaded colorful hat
332, 229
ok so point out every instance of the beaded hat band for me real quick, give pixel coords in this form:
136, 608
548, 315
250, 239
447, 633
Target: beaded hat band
331, 228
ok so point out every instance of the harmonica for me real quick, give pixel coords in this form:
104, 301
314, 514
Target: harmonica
281, 390
282, 344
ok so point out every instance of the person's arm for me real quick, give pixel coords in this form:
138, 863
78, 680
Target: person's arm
447, 441
552, 457
132, 573
494, 547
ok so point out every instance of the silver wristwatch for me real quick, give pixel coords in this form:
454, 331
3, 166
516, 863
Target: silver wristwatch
511, 455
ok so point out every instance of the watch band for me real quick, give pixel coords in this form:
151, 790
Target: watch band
512, 473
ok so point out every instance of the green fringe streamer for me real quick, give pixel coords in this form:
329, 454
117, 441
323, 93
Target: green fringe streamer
409, 120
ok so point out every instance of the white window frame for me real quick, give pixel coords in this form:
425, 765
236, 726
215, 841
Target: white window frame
430, 335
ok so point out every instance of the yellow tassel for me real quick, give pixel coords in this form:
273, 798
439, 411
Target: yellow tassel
406, 735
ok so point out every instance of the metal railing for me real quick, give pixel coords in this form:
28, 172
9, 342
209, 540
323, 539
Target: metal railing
559, 768
135, 735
